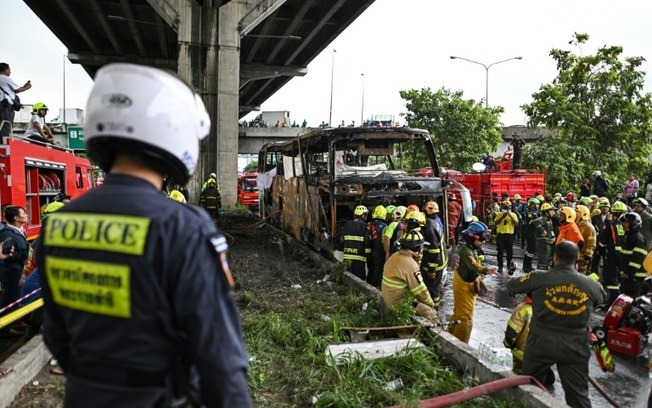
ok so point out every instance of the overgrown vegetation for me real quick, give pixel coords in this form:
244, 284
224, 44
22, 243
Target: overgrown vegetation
289, 366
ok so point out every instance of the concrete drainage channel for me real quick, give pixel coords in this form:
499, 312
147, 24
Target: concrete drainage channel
32, 357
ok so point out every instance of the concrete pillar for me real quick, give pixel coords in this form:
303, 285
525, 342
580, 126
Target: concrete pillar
228, 92
188, 37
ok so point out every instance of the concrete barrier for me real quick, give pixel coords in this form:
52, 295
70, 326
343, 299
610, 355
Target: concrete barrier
26, 363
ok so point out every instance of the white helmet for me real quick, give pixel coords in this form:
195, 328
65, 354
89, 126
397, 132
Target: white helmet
149, 111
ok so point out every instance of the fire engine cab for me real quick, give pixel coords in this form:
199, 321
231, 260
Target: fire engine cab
32, 174
248, 189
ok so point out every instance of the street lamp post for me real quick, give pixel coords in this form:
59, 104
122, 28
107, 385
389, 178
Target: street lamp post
486, 68
362, 105
330, 116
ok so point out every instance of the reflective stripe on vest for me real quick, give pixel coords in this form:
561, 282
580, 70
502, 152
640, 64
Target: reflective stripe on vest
394, 283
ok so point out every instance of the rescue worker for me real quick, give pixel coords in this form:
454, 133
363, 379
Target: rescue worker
376, 259
454, 213
210, 200
633, 254
590, 240
505, 221
519, 208
394, 231
356, 242
562, 302
599, 221
435, 258
493, 208
610, 243
154, 311
402, 273
568, 230
467, 280
213, 177
640, 208
530, 235
516, 333
545, 236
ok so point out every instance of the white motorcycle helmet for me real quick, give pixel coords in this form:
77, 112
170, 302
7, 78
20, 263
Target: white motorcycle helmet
148, 111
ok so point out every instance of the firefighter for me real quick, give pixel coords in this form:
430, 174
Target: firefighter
545, 235
213, 177
454, 212
154, 312
590, 239
376, 259
568, 230
633, 254
530, 236
610, 243
467, 280
640, 208
562, 303
394, 231
505, 221
356, 242
516, 333
599, 221
210, 200
434, 258
402, 273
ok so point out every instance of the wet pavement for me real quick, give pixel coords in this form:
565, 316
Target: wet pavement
629, 385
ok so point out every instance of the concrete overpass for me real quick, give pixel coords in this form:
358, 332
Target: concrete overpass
251, 139
236, 53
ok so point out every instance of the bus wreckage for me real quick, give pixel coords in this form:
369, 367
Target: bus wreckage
310, 185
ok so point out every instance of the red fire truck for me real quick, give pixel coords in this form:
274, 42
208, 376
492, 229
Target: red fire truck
34, 173
248, 189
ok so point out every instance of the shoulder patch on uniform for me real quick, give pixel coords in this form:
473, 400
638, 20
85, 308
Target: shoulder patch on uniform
219, 243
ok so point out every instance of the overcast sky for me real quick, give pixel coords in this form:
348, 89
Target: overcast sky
398, 45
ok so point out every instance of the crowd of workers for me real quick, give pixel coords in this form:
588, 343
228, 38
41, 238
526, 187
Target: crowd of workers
592, 246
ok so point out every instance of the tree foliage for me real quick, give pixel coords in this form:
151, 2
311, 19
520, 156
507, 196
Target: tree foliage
461, 130
602, 118
251, 167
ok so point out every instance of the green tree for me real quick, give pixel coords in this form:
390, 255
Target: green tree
461, 129
602, 118
251, 167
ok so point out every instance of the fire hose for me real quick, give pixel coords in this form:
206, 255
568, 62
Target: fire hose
479, 391
603, 392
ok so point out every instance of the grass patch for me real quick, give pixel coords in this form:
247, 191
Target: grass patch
289, 367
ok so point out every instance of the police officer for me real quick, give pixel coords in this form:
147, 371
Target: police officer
562, 302
131, 315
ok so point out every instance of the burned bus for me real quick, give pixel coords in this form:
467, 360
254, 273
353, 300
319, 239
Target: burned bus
310, 185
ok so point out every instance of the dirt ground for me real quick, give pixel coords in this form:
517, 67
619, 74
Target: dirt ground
262, 267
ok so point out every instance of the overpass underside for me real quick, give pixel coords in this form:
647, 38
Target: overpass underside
235, 53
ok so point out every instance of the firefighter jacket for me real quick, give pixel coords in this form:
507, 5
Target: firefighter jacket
544, 228
401, 274
570, 232
518, 327
646, 228
356, 240
376, 228
469, 267
210, 198
633, 254
599, 222
590, 239
531, 226
434, 255
138, 296
562, 303
611, 239
392, 233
